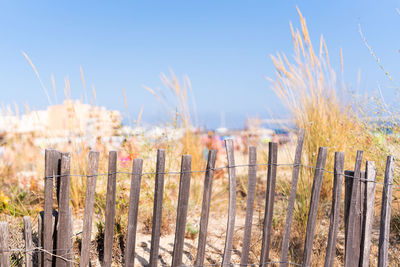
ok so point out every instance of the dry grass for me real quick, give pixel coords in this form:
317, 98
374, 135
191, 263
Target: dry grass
308, 86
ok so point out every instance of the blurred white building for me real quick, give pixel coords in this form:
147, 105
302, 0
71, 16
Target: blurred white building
72, 118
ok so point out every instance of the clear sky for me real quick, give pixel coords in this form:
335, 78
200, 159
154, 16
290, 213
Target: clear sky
223, 46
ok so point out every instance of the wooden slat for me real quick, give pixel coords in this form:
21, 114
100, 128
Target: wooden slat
133, 212
335, 209
226, 258
51, 168
385, 213
205, 208
4, 250
369, 201
63, 237
110, 208
28, 241
251, 192
183, 202
313, 209
348, 180
292, 198
354, 224
269, 202
157, 208
92, 170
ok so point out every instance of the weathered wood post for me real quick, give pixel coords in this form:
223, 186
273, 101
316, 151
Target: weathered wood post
133, 212
269, 202
157, 208
226, 258
51, 170
354, 220
205, 207
4, 251
63, 233
369, 201
28, 241
183, 203
313, 209
385, 213
110, 208
292, 198
251, 192
335, 209
93, 165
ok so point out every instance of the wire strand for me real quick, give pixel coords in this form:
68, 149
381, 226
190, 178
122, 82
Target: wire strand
221, 168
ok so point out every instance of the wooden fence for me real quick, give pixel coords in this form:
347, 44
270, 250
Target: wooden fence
55, 246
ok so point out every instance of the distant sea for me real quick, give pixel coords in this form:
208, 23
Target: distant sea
213, 121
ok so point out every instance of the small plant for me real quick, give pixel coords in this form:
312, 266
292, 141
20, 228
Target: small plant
191, 231
395, 225
4, 200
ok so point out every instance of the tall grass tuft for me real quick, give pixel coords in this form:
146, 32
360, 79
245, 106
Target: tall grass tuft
309, 88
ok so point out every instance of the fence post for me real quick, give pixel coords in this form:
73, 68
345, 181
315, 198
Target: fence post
385, 213
51, 170
226, 258
292, 198
93, 165
133, 212
335, 210
4, 254
205, 207
251, 192
354, 220
183, 202
110, 208
269, 202
28, 241
157, 208
63, 233
313, 209
369, 200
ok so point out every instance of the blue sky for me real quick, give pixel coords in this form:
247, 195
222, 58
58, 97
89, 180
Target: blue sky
223, 46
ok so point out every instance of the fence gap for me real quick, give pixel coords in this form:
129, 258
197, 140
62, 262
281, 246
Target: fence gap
70, 241
92, 170
251, 192
335, 209
110, 208
269, 202
292, 198
157, 208
183, 202
369, 201
226, 258
354, 220
385, 213
4, 253
28, 241
40, 238
133, 212
313, 209
348, 183
205, 207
